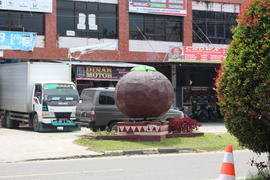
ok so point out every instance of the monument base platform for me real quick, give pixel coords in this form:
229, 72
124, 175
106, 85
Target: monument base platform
143, 131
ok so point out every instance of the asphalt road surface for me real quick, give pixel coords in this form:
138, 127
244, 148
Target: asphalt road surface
189, 166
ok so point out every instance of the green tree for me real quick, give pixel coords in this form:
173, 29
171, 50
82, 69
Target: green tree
243, 83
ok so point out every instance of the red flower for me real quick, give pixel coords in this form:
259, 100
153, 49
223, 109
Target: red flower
184, 125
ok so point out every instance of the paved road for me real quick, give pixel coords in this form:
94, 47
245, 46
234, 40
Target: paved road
192, 166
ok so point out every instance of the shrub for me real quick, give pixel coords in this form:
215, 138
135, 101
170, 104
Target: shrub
243, 83
184, 125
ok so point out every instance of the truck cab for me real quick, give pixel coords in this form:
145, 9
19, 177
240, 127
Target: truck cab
54, 104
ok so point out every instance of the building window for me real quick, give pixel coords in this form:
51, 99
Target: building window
213, 27
87, 19
155, 27
22, 21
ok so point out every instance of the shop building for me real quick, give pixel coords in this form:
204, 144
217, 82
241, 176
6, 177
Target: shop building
185, 40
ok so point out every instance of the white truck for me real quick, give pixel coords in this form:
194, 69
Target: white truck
39, 94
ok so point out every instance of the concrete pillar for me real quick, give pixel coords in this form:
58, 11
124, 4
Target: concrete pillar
123, 27
173, 75
51, 28
187, 25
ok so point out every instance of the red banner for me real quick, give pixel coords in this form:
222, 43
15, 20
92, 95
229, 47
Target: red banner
199, 55
164, 7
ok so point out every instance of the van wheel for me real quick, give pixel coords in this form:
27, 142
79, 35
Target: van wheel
93, 129
11, 124
113, 126
3, 122
36, 123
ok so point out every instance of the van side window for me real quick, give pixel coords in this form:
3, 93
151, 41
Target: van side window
38, 92
88, 95
106, 98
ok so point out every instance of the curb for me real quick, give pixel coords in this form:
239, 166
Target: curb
167, 150
113, 153
67, 157
149, 151
186, 150
117, 153
132, 152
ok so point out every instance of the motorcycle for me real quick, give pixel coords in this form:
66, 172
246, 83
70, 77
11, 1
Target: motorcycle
204, 113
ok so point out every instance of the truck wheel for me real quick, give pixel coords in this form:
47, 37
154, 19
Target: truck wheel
36, 123
11, 124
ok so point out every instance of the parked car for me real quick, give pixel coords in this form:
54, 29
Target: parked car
97, 110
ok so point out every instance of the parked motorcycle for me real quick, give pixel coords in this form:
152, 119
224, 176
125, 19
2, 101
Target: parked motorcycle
204, 113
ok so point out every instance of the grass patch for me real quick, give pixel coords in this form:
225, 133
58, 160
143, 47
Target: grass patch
260, 176
208, 142
103, 133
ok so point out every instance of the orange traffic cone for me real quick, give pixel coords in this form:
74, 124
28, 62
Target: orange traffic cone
227, 169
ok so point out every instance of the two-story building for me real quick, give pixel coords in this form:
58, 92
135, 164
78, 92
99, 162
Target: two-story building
184, 39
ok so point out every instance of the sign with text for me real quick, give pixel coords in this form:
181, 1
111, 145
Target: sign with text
197, 55
164, 7
27, 5
12, 40
100, 73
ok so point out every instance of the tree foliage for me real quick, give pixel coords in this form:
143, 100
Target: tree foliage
243, 83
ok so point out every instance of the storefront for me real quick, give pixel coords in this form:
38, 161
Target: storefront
196, 83
99, 74
194, 71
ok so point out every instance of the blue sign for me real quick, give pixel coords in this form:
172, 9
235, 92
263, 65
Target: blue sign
12, 40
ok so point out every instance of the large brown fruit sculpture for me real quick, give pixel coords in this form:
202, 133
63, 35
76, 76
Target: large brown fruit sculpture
144, 92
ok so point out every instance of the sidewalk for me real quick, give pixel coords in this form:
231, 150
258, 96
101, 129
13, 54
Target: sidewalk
23, 144
213, 127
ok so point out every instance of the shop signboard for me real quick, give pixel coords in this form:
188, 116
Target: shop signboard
164, 7
27, 5
197, 55
12, 40
105, 73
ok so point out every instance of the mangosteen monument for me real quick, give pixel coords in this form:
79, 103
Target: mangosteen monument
146, 94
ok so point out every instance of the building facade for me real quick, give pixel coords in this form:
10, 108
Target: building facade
100, 36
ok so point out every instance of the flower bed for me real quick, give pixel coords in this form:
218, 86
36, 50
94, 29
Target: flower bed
153, 131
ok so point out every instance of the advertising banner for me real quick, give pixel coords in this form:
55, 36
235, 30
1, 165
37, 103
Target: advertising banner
164, 7
27, 5
101, 73
197, 55
12, 40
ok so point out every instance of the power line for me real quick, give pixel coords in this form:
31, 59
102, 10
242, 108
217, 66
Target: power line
202, 32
